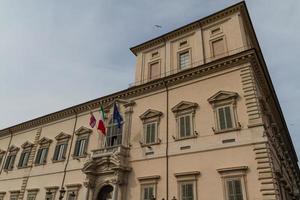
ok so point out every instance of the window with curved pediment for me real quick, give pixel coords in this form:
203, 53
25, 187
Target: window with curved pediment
151, 119
225, 114
114, 134
185, 113
41, 156
81, 143
23, 162
10, 160
61, 147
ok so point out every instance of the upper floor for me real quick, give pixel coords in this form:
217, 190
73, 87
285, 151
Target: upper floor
213, 37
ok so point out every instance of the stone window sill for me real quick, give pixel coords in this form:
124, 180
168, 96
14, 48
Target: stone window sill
185, 138
227, 130
56, 161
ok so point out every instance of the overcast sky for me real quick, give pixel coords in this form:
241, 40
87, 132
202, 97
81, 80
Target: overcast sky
58, 53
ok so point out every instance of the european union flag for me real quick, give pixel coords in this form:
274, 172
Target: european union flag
117, 116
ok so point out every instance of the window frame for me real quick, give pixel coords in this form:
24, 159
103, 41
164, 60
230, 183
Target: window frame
25, 155
150, 64
220, 100
14, 195
62, 140
82, 133
181, 52
12, 153
119, 135
73, 188
148, 181
234, 173
151, 117
184, 109
53, 190
219, 36
144, 186
2, 156
32, 193
44, 143
187, 178
2, 195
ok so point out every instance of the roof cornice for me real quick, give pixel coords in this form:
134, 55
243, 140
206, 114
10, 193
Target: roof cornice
155, 85
189, 27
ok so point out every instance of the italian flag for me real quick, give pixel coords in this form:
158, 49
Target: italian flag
101, 126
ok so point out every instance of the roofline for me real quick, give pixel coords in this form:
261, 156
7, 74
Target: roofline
165, 36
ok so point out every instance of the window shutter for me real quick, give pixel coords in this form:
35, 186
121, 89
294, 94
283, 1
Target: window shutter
154, 71
12, 161
21, 159
77, 148
148, 133
221, 118
181, 126
187, 126
44, 157
65, 150
153, 132
38, 157
56, 151
151, 193
26, 158
228, 117
184, 59
7, 162
85, 145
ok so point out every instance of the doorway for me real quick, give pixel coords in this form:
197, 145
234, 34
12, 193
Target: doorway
106, 193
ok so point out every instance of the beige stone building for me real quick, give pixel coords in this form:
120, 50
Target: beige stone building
201, 122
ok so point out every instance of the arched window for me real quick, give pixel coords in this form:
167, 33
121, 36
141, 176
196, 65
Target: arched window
114, 134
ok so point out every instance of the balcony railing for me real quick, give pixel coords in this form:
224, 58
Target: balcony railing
108, 151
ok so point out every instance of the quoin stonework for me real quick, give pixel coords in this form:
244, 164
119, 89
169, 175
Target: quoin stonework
201, 122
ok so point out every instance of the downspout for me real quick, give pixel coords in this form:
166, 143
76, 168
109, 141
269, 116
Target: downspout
9, 143
69, 154
167, 141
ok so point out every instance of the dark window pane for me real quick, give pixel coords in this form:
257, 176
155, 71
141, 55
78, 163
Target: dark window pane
221, 118
187, 126
228, 117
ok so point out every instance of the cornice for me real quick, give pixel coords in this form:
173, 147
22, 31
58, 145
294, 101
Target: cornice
189, 27
155, 85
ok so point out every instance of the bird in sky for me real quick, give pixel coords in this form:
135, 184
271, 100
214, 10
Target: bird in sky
157, 26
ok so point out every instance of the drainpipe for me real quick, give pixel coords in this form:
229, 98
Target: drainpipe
69, 154
9, 143
167, 141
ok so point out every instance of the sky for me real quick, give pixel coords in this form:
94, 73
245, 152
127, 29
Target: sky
59, 53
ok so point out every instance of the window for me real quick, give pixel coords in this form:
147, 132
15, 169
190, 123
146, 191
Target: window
23, 162
42, 153
60, 152
154, 70
187, 191
14, 195
10, 160
148, 187
81, 142
32, 193
51, 192
148, 192
151, 119
73, 191
61, 147
2, 194
218, 47
234, 189
185, 113
150, 133
234, 182
185, 126
184, 60
24, 159
224, 117
224, 105
114, 134
187, 185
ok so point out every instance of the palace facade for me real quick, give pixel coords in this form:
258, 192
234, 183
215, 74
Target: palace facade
201, 122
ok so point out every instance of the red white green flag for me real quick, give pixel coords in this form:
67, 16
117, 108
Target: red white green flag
101, 126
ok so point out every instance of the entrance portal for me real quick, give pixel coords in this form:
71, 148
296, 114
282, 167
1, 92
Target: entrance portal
106, 193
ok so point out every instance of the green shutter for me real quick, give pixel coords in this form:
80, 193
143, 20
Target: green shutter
153, 131
7, 162
221, 118
187, 126
181, 127
77, 148
21, 159
12, 162
38, 157
44, 158
65, 151
56, 151
228, 117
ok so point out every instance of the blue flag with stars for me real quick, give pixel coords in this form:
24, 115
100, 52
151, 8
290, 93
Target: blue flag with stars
117, 116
